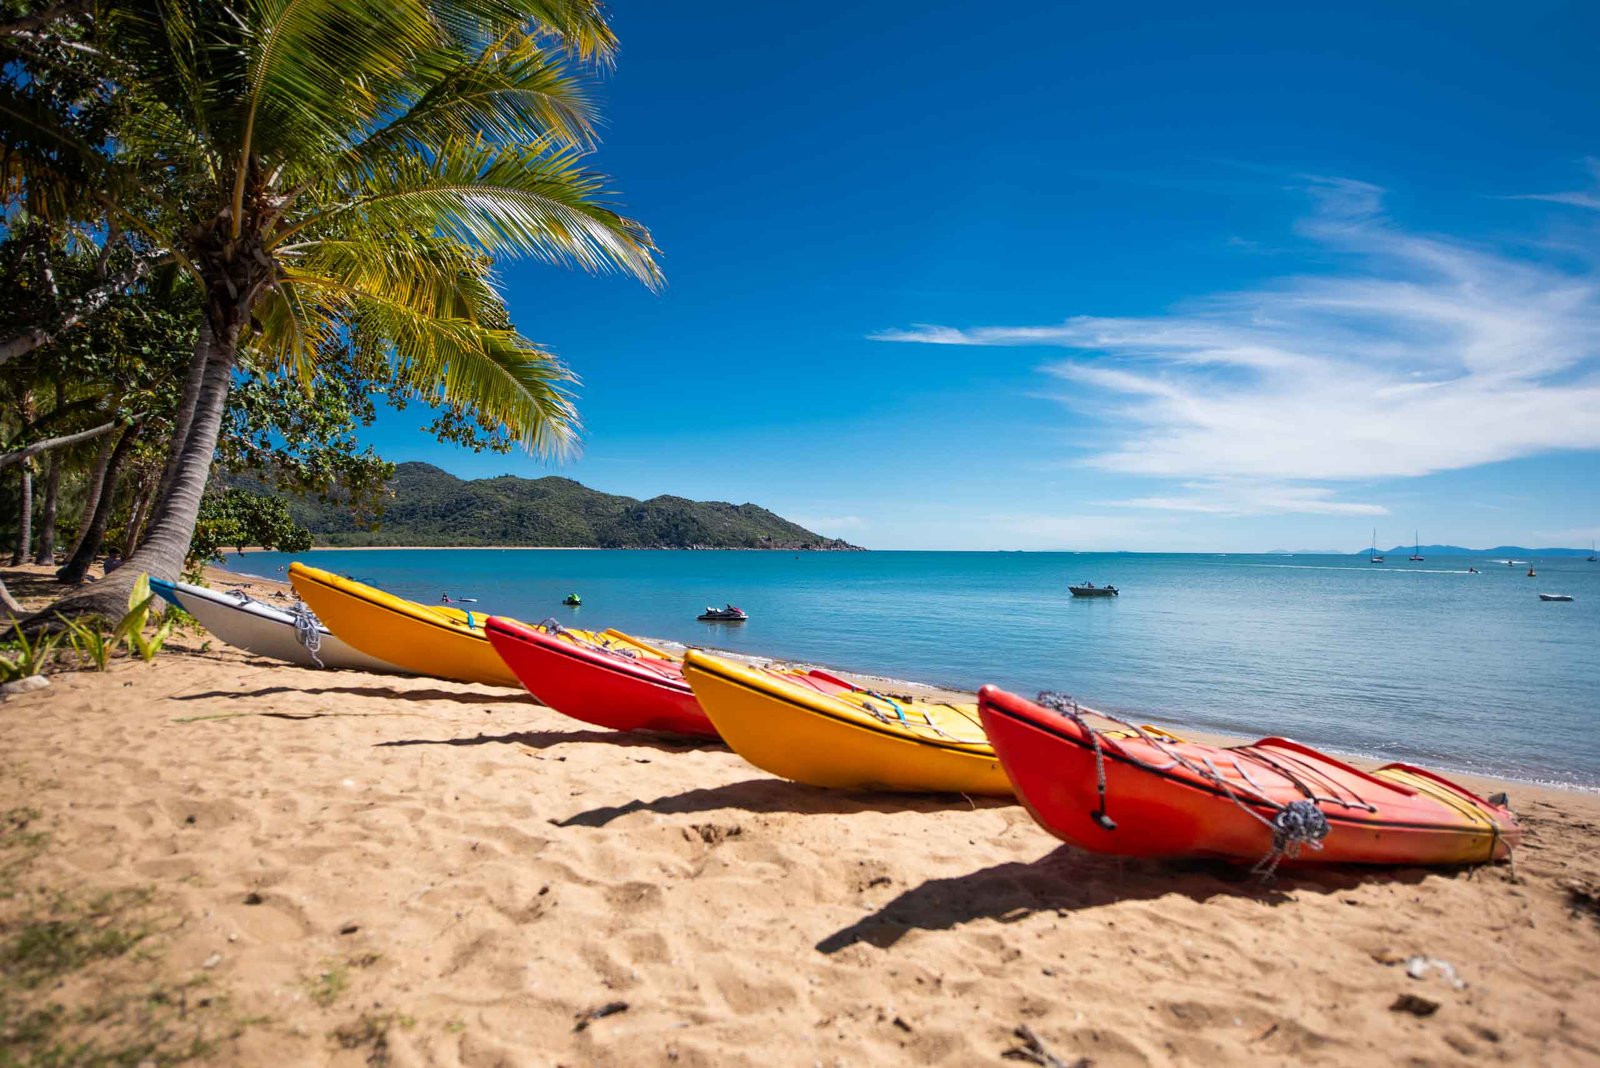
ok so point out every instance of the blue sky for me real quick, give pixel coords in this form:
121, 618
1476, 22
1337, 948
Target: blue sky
1091, 276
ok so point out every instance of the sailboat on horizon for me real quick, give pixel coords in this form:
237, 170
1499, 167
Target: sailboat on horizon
1376, 557
1592, 557
1416, 547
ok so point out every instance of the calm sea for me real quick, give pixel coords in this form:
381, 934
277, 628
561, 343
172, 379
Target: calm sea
1422, 662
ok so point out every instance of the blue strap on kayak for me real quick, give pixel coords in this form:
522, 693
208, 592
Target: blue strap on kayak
470, 624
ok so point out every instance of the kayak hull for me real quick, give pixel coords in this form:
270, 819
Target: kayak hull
825, 739
264, 629
429, 640
1397, 815
604, 688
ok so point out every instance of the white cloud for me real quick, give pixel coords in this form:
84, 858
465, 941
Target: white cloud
1425, 354
1235, 498
1578, 198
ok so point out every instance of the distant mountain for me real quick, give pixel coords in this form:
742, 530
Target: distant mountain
433, 507
1457, 550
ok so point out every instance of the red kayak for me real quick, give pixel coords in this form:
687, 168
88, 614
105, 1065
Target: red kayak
603, 678
1114, 787
611, 680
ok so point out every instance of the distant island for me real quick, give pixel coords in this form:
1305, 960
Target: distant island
1457, 550
431, 507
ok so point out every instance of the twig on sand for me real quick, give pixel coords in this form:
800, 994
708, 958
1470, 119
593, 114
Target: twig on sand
1033, 1051
588, 1016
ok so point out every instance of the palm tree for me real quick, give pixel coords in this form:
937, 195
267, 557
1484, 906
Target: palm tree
349, 168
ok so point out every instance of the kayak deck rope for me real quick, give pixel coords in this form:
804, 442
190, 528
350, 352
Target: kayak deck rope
1294, 825
307, 630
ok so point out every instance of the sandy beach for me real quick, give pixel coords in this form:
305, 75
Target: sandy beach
232, 860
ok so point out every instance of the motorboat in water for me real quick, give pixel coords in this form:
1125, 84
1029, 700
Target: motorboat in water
728, 614
1089, 589
572, 599
1555, 597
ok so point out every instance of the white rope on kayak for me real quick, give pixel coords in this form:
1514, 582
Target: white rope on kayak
307, 630
1293, 825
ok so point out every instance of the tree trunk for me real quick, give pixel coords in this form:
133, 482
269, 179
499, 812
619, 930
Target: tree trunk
24, 518
8, 603
97, 480
47, 514
141, 512
89, 545
164, 550
183, 420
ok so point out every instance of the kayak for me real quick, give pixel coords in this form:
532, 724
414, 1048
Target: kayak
614, 680
436, 640
1266, 802
853, 739
604, 678
291, 634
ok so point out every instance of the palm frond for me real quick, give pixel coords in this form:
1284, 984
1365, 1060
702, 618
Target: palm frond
534, 200
510, 88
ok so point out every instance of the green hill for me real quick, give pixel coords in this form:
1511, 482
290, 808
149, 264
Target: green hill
434, 507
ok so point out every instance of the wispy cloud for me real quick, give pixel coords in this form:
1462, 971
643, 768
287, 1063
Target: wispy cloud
1423, 354
1578, 198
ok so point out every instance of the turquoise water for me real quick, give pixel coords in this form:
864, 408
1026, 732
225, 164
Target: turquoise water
1420, 662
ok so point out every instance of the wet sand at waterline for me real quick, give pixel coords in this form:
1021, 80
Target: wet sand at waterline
347, 869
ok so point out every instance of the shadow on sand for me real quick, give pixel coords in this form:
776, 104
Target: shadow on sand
545, 739
778, 795
382, 693
1068, 880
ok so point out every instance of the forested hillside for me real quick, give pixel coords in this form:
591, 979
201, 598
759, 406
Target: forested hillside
433, 507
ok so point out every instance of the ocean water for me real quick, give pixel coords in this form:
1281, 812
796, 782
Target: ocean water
1420, 662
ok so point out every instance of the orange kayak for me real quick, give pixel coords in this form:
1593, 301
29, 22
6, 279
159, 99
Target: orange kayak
1159, 796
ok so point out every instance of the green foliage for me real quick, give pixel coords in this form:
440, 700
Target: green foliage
433, 507
239, 518
93, 644
23, 656
131, 628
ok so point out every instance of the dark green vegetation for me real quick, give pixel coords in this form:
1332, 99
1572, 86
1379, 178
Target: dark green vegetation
433, 507
229, 226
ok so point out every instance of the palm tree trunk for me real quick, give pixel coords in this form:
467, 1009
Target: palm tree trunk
24, 518
97, 481
8, 603
89, 545
164, 550
183, 419
47, 514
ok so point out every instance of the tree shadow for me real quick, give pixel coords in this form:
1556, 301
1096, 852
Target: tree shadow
545, 739
1070, 880
775, 796
385, 693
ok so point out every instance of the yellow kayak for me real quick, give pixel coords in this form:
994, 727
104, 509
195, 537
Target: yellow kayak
857, 739
436, 640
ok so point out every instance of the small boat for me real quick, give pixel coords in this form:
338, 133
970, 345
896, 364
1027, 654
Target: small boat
1592, 558
1555, 597
572, 599
1416, 548
293, 634
1472, 571
730, 614
1532, 573
611, 679
1376, 557
1154, 795
854, 739
434, 640
1089, 589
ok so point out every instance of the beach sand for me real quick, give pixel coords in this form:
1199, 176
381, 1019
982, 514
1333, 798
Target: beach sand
263, 865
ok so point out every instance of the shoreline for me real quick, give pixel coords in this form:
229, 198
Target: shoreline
1481, 782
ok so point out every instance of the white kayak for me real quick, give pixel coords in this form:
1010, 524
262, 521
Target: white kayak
264, 629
